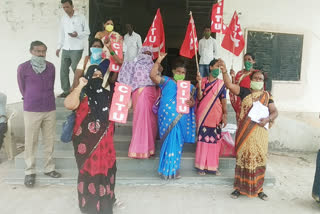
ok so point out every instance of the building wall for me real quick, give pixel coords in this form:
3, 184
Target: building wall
22, 22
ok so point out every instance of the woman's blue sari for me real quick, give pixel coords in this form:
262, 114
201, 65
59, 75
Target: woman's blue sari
183, 132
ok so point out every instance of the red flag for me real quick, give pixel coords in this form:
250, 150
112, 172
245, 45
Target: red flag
217, 24
190, 41
155, 37
233, 40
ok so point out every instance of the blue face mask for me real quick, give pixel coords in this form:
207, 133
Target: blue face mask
96, 55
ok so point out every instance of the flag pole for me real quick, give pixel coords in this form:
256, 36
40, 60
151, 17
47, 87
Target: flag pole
195, 48
194, 43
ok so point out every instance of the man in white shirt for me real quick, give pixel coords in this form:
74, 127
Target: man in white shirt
74, 30
132, 42
208, 50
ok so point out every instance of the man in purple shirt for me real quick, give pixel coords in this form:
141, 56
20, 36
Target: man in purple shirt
36, 83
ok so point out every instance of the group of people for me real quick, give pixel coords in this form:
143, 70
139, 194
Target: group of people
90, 97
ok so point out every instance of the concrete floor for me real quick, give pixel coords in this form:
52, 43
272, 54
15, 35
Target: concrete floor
292, 194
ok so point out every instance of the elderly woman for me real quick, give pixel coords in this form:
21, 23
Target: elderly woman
93, 143
251, 137
144, 95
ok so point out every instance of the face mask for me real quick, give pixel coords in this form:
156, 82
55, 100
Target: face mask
215, 72
95, 83
109, 28
207, 34
248, 65
38, 64
96, 55
177, 77
256, 85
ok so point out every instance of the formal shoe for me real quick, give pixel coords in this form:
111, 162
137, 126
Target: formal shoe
29, 180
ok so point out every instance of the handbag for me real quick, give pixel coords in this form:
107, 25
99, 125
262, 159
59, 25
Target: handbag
155, 106
67, 128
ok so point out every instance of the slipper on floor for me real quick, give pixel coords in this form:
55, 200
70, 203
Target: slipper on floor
53, 174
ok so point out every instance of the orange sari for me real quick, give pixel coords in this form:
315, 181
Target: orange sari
251, 148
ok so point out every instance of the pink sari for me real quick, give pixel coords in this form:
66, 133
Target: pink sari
209, 117
144, 129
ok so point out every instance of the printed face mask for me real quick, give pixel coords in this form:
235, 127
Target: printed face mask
256, 85
38, 63
177, 77
215, 72
248, 65
109, 28
96, 55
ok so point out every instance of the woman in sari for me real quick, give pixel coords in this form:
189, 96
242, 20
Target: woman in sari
242, 78
108, 35
93, 143
211, 115
95, 58
175, 129
144, 94
251, 137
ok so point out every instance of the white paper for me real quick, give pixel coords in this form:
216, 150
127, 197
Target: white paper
258, 112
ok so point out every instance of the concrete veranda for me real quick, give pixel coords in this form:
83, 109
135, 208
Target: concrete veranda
294, 173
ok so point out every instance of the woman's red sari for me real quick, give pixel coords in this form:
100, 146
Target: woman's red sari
96, 160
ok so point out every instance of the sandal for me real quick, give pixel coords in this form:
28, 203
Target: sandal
29, 180
201, 173
218, 173
53, 174
235, 194
119, 204
263, 196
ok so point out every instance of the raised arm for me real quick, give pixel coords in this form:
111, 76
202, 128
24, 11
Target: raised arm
155, 69
72, 101
113, 54
234, 88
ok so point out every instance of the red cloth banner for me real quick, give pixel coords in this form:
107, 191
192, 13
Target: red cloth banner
120, 100
217, 24
190, 41
233, 41
183, 94
155, 37
118, 49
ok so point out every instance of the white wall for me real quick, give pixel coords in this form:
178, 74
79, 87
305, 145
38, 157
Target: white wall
23, 21
286, 16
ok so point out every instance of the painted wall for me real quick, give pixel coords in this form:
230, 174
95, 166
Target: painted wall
22, 22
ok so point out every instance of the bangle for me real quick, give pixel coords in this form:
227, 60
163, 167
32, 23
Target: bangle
224, 72
112, 53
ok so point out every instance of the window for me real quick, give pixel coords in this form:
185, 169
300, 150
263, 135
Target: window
279, 54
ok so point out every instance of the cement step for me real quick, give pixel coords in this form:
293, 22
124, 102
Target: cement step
150, 177
66, 160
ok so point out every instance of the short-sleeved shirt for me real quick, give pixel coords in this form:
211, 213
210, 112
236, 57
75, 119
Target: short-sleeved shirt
246, 91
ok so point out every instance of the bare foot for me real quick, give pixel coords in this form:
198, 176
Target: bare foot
201, 173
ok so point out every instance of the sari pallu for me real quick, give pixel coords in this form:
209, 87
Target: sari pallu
96, 160
209, 117
243, 80
251, 149
144, 129
174, 129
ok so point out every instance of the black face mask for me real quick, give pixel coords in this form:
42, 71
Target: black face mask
95, 83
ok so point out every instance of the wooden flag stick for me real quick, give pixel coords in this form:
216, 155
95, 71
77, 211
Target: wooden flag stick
195, 48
